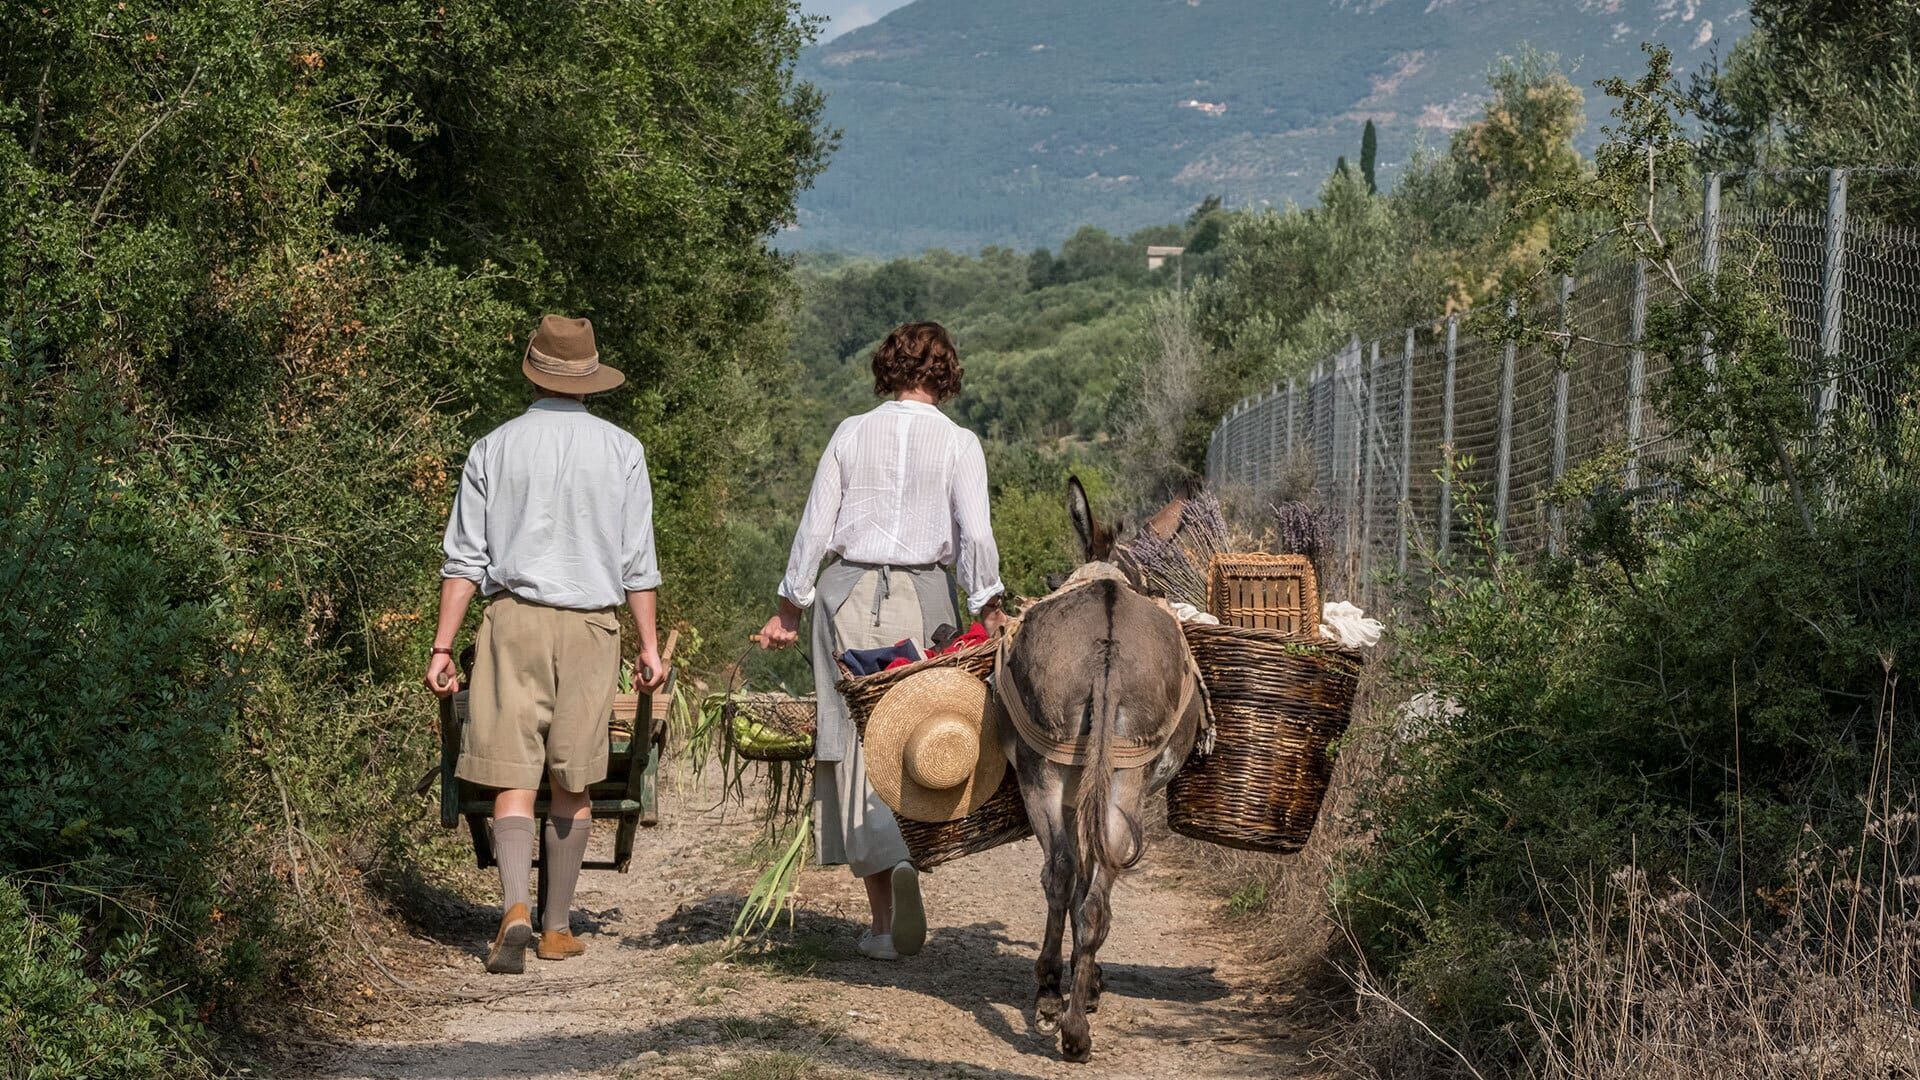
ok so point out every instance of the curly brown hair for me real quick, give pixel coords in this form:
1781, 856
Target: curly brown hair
917, 356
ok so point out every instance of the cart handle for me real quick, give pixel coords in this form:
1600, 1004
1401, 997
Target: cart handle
666, 654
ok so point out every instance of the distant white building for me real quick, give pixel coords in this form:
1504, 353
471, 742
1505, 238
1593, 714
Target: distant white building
1158, 254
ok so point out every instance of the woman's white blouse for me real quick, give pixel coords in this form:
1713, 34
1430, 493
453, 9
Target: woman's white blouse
899, 486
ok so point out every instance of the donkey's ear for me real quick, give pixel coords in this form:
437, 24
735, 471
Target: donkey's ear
1082, 515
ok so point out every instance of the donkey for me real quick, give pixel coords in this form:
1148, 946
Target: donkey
1102, 662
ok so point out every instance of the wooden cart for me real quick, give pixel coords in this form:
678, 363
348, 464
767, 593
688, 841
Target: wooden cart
630, 794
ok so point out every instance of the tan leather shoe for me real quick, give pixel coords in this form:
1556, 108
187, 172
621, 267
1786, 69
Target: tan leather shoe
558, 945
508, 956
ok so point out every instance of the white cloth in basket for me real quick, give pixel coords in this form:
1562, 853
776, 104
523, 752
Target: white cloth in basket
1348, 625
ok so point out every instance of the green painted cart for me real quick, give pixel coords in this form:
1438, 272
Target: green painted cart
629, 795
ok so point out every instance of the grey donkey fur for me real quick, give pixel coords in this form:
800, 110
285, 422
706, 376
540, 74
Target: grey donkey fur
1103, 661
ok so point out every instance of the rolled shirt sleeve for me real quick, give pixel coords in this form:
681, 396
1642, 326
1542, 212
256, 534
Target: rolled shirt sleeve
816, 529
977, 557
639, 565
465, 543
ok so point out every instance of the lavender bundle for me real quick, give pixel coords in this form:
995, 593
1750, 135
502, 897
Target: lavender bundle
1303, 529
1175, 567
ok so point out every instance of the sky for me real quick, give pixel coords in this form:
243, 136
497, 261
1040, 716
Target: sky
845, 15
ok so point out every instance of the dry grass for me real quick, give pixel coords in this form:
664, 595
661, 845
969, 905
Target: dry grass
1819, 980
1658, 984
1664, 987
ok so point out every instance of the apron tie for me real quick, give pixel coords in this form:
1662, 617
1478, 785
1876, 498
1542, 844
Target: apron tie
881, 591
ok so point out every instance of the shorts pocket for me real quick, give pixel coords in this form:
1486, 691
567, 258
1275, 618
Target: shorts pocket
604, 620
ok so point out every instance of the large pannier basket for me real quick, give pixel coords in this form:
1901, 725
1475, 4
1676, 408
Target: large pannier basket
1001, 820
1278, 702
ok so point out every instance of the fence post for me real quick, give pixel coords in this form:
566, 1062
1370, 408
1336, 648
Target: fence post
1227, 429
1503, 454
1406, 452
1833, 273
1242, 441
1710, 257
1353, 444
1290, 406
1446, 433
1561, 379
1369, 454
1636, 373
1322, 463
1273, 438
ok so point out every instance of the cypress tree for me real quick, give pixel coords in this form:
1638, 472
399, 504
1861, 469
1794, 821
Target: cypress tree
1369, 150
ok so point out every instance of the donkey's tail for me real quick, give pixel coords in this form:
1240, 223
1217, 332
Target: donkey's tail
1093, 810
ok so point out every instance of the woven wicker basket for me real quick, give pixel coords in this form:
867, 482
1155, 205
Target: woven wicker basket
1277, 704
1268, 592
863, 692
1003, 818
796, 717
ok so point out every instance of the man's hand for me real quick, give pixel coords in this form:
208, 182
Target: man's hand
441, 678
782, 630
994, 617
455, 594
649, 671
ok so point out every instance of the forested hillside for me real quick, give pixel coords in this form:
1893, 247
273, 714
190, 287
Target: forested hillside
1002, 122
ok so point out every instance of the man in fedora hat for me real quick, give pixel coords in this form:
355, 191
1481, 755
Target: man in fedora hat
553, 522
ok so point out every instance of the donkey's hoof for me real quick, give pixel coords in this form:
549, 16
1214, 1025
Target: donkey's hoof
1046, 1014
1076, 1050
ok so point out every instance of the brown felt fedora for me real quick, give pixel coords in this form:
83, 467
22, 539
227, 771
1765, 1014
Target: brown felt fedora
932, 746
563, 358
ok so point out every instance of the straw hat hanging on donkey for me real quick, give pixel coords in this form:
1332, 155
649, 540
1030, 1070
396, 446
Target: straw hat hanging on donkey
1105, 703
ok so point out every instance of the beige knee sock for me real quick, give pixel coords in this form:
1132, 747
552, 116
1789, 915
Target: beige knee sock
563, 848
513, 851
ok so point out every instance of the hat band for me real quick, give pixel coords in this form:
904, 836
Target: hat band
566, 369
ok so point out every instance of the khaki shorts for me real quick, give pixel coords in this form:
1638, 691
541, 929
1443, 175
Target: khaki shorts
543, 685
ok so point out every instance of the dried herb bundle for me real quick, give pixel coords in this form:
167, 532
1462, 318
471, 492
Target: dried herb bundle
1175, 567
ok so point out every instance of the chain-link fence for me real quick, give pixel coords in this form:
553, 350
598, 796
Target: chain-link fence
1370, 427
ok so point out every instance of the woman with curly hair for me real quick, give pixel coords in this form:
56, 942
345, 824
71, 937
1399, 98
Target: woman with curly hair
899, 511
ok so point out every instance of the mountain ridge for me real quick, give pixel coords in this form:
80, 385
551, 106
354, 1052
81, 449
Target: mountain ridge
1010, 122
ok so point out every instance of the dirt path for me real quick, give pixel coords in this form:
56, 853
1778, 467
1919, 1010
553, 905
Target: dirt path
654, 995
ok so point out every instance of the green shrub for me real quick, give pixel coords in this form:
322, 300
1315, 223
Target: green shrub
113, 726
73, 1008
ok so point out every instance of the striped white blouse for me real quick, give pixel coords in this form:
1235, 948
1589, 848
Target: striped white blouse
901, 485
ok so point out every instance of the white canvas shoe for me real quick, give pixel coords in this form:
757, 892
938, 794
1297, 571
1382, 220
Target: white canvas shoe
877, 946
909, 914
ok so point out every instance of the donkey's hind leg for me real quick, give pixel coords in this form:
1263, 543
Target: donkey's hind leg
1090, 920
1056, 878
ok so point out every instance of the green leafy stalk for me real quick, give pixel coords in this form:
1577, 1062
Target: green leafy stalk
772, 892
